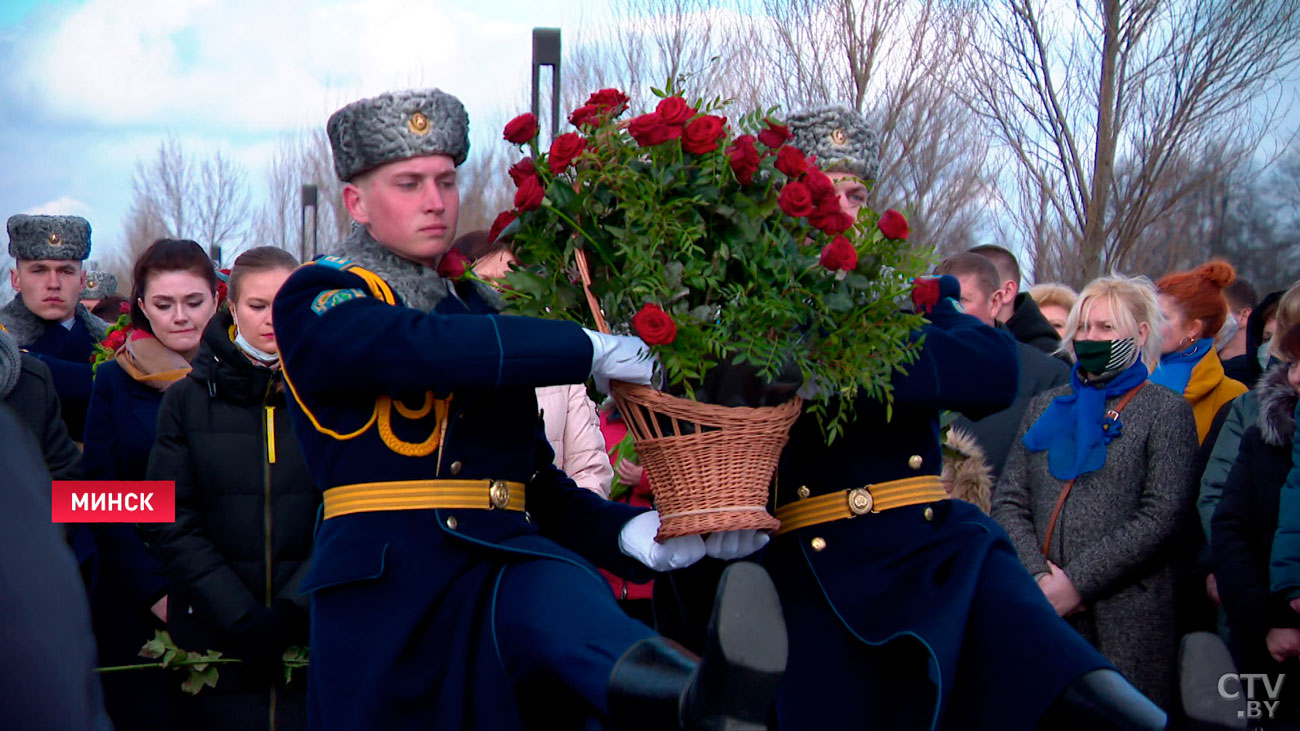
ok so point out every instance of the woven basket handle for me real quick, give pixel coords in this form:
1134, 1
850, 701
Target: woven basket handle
584, 271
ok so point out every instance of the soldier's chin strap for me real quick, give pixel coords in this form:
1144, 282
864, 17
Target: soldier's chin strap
1103, 700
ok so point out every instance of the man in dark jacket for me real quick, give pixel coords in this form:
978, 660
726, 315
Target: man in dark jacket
1019, 312
27, 386
981, 297
47, 678
45, 317
453, 569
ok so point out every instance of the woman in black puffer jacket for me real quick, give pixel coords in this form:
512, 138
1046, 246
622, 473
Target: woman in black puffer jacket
245, 511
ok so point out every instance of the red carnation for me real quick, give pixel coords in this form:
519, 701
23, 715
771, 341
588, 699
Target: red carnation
115, 340
795, 200
649, 130
521, 129
530, 194
563, 150
775, 135
453, 264
654, 325
840, 254
744, 158
521, 170
791, 162
823, 189
893, 225
674, 110
504, 218
925, 293
608, 101
703, 134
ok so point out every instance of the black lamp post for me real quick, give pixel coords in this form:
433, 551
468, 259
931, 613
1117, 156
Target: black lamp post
309, 196
546, 52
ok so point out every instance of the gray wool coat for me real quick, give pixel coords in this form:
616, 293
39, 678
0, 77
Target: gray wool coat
1114, 531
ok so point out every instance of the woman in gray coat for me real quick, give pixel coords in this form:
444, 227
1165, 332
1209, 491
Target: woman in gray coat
1104, 562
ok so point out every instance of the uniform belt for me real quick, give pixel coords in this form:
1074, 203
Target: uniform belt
370, 497
860, 500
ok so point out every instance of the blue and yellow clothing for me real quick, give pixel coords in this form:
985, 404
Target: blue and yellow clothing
442, 617
66, 350
918, 616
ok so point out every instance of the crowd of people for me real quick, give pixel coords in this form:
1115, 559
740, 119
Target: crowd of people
371, 462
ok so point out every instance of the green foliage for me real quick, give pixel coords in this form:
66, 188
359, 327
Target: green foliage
742, 281
200, 669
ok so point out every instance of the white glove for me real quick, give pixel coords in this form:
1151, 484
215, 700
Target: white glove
637, 539
729, 544
619, 358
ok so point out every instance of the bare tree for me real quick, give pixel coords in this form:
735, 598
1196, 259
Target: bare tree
205, 200
485, 188
1078, 91
299, 160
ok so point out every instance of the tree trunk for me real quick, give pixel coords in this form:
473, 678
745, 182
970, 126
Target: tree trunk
1103, 168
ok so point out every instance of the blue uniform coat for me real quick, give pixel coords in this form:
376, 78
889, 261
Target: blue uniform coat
903, 620
417, 614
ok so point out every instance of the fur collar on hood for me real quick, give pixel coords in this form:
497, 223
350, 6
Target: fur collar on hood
1277, 400
26, 328
418, 286
11, 364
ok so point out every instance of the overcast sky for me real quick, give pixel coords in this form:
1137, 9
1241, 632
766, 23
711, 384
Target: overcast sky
90, 87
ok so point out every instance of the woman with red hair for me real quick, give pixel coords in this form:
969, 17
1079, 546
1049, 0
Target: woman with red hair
1195, 309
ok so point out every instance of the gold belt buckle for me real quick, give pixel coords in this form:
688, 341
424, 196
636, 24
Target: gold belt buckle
860, 501
499, 493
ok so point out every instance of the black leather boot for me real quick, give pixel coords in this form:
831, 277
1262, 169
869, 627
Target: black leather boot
657, 684
1103, 700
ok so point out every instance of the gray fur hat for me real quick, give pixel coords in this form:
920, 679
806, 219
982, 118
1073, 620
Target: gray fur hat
49, 237
839, 138
396, 126
99, 285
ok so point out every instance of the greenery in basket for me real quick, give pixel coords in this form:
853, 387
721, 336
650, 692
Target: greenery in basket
715, 241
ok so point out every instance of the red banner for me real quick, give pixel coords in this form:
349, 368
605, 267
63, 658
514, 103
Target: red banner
127, 501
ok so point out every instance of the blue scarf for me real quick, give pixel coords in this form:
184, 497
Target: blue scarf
1175, 369
1074, 428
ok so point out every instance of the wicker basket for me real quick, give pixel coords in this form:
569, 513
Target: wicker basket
710, 467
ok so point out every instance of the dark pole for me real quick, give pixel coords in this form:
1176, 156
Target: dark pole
309, 194
546, 52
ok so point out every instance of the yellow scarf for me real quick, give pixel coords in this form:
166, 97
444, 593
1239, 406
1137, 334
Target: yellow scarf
148, 361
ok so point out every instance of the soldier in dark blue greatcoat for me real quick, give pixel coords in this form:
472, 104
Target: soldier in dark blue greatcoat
453, 581
45, 317
906, 610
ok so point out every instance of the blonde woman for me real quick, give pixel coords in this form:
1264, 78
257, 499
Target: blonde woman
1094, 486
1054, 300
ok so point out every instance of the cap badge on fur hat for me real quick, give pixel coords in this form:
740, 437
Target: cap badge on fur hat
839, 137
418, 123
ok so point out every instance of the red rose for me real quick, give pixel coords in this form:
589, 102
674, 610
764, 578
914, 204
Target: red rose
795, 200
521, 170
503, 219
585, 115
124, 308
840, 254
925, 293
744, 158
791, 162
829, 219
649, 130
775, 135
674, 110
703, 134
563, 150
530, 194
893, 225
823, 189
115, 340
453, 264
654, 325
521, 129
608, 101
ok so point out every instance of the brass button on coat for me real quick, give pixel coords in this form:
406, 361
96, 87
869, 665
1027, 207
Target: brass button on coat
915, 461
819, 544
455, 467
499, 492
452, 522
928, 514
803, 492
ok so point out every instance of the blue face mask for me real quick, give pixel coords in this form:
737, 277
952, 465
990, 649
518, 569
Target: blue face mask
1262, 354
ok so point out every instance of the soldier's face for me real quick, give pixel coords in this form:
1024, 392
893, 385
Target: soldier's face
852, 192
49, 287
409, 206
